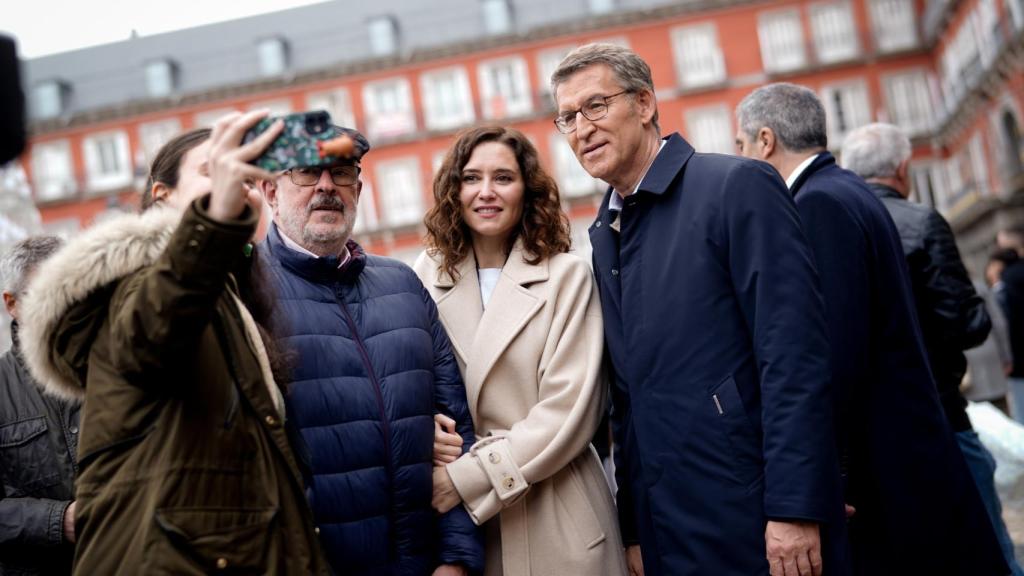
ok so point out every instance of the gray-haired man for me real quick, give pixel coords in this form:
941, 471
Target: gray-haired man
952, 314
38, 443
916, 508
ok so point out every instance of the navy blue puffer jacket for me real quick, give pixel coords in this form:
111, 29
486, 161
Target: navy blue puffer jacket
373, 366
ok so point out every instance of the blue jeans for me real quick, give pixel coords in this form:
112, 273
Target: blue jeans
983, 468
1016, 398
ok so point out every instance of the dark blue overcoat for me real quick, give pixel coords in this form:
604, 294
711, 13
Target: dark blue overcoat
918, 511
715, 328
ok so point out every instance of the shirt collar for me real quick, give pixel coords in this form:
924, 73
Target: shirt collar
799, 170
615, 201
293, 245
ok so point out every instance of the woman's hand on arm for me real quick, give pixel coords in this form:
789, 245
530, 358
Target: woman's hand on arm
447, 442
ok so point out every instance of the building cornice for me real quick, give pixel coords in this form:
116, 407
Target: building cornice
296, 80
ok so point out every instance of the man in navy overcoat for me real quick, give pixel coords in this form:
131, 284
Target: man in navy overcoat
917, 510
715, 327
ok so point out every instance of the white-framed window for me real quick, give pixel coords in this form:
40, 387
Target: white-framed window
698, 56
435, 162
504, 88
52, 173
447, 101
273, 56
366, 211
781, 33
547, 63
1015, 8
401, 193
50, 98
383, 32
894, 24
207, 118
497, 16
979, 163
153, 135
277, 107
601, 6
388, 107
107, 161
930, 186
65, 228
908, 101
847, 107
337, 103
161, 78
573, 179
709, 129
835, 32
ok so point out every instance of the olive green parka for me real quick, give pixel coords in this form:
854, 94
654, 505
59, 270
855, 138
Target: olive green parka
185, 466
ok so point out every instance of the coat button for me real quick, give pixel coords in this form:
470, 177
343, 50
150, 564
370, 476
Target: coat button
598, 224
200, 228
222, 563
193, 243
494, 457
508, 482
615, 271
73, 429
316, 530
271, 421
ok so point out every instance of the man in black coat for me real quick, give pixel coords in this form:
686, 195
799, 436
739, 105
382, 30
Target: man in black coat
38, 443
915, 507
952, 314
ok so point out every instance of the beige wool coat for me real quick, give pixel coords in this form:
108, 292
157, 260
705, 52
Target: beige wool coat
531, 362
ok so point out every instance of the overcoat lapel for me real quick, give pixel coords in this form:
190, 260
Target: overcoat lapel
460, 306
489, 332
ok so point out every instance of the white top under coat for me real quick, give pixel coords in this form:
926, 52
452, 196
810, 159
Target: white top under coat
488, 280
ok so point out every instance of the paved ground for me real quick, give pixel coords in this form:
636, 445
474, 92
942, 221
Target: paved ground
1013, 514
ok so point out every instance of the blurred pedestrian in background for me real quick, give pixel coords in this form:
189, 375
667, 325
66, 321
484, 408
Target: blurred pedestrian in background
898, 453
38, 443
952, 316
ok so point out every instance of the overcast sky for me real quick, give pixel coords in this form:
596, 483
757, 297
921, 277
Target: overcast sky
49, 26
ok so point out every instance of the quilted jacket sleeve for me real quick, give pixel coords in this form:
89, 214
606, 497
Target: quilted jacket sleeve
460, 539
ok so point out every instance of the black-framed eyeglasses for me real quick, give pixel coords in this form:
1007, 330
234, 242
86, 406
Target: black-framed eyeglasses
308, 175
594, 109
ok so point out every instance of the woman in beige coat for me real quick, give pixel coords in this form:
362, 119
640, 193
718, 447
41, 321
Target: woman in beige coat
525, 323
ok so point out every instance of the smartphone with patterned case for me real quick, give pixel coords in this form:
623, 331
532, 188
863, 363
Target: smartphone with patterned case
301, 142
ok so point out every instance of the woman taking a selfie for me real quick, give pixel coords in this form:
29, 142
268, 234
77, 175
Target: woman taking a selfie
524, 320
157, 321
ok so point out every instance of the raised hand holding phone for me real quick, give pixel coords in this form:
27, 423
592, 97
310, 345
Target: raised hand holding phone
228, 162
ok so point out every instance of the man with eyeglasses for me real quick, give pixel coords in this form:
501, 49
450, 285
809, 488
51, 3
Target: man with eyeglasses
714, 323
372, 366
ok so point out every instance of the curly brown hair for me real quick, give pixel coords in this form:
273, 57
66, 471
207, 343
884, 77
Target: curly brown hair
543, 228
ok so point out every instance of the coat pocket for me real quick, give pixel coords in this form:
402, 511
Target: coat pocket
745, 442
27, 461
208, 540
570, 491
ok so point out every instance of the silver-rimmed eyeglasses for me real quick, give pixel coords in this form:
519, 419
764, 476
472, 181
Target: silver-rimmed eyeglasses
594, 109
308, 175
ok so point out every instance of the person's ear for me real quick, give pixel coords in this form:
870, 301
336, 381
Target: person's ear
269, 190
645, 105
903, 173
10, 303
160, 192
765, 142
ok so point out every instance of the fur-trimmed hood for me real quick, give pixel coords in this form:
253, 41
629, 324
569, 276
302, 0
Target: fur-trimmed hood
93, 260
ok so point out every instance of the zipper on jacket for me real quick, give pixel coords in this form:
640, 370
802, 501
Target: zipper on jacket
378, 390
